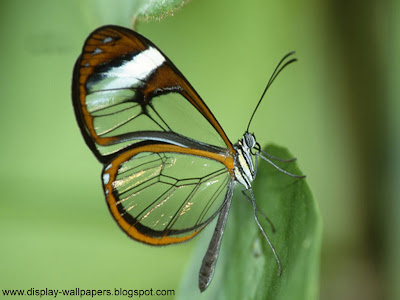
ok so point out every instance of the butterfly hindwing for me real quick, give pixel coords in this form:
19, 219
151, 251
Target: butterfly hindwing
161, 194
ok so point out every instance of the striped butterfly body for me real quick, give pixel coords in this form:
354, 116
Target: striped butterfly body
169, 168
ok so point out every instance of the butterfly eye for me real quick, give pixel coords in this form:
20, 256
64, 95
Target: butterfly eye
249, 140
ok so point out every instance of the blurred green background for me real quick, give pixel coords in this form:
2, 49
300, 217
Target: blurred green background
337, 110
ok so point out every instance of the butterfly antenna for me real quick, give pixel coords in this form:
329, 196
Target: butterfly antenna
281, 65
264, 234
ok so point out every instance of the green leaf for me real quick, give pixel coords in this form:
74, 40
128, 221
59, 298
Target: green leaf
156, 9
126, 12
246, 268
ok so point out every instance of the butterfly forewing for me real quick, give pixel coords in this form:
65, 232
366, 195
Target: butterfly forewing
162, 194
125, 90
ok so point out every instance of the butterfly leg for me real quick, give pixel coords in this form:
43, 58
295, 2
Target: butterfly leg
260, 211
278, 168
253, 202
277, 158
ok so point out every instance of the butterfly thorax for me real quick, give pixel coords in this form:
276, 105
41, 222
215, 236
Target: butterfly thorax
244, 166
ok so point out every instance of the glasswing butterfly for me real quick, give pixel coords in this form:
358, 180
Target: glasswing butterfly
169, 168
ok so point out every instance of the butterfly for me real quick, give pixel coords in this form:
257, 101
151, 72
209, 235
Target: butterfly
169, 168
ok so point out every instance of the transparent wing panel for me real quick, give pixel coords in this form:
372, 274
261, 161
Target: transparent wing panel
178, 115
166, 194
